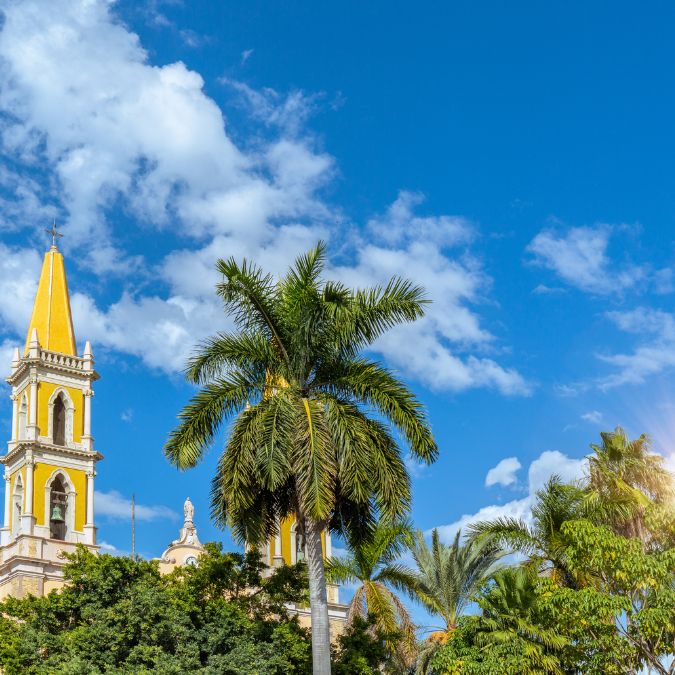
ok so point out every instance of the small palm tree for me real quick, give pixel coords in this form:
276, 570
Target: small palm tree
373, 565
542, 542
626, 480
509, 622
312, 421
446, 579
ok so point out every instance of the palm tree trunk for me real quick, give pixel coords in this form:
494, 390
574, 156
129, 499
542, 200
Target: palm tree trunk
318, 599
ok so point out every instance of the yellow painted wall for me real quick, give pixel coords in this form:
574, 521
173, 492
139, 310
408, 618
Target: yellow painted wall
79, 480
52, 585
286, 543
12, 484
45, 391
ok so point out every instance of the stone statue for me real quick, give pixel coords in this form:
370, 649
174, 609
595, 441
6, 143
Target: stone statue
188, 510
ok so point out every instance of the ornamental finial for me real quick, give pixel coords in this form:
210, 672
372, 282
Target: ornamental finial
55, 234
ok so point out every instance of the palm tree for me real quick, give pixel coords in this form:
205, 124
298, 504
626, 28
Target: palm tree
374, 566
542, 542
509, 622
313, 422
445, 580
625, 481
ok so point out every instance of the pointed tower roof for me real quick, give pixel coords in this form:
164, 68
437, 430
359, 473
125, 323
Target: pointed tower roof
52, 318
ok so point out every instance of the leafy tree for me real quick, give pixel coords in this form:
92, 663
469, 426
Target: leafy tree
542, 542
447, 577
362, 649
632, 488
118, 615
507, 637
312, 420
373, 564
621, 624
445, 580
638, 586
510, 618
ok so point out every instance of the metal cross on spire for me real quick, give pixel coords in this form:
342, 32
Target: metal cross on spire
55, 234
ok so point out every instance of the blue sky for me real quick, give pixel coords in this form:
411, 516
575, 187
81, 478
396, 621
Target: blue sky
514, 158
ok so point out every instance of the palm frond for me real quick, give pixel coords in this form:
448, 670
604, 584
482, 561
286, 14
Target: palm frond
513, 533
342, 570
314, 462
248, 295
203, 416
376, 310
224, 352
367, 382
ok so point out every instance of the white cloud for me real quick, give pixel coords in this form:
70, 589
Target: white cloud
19, 272
654, 353
415, 469
400, 224
109, 127
7, 348
540, 470
553, 462
109, 123
434, 349
594, 417
127, 415
246, 55
111, 550
580, 258
504, 473
117, 507
289, 112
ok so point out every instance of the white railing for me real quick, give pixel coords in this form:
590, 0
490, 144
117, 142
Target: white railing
56, 359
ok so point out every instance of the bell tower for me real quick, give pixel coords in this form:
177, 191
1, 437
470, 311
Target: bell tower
50, 462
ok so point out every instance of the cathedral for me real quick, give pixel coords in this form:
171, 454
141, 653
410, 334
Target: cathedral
51, 460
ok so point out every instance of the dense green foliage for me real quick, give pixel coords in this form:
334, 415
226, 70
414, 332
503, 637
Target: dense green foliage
222, 617
118, 615
363, 649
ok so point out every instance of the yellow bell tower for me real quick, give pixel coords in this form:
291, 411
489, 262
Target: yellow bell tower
50, 461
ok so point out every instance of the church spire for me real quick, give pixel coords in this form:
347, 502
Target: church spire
52, 318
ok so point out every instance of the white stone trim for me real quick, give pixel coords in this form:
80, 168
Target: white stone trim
22, 418
8, 500
17, 505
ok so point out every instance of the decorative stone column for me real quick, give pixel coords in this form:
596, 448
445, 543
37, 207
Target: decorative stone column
32, 429
278, 559
87, 439
27, 518
5, 532
15, 417
89, 527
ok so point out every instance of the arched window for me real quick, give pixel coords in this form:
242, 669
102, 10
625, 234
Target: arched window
23, 418
59, 421
17, 506
58, 506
